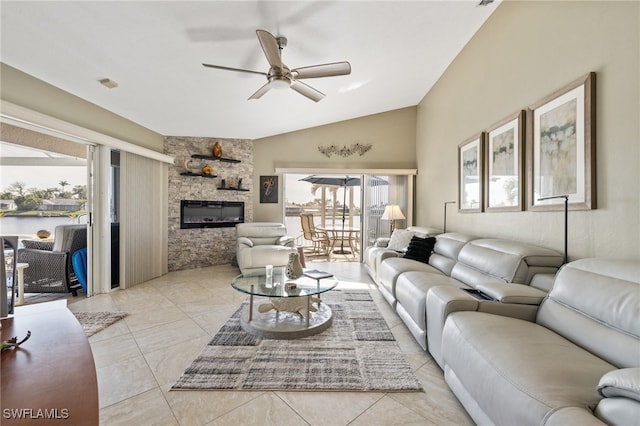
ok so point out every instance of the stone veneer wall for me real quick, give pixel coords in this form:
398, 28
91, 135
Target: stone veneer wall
196, 248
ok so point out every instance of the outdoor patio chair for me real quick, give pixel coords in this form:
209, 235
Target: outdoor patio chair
50, 271
320, 239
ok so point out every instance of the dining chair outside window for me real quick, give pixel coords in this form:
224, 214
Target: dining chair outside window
319, 239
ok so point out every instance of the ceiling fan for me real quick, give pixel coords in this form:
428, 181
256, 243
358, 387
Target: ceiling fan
280, 76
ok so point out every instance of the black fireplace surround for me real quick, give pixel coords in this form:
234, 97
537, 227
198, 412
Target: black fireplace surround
210, 214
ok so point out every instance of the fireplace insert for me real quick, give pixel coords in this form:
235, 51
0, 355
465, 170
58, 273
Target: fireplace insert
210, 214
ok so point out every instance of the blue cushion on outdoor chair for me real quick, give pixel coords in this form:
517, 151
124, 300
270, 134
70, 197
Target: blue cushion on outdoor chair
79, 262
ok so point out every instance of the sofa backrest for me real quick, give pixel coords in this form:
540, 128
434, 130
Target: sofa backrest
261, 233
445, 253
70, 238
424, 231
595, 303
488, 260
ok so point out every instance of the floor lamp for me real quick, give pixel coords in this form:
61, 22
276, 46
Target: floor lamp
566, 222
392, 213
444, 228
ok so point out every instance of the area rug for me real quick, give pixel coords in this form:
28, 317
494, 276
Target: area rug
356, 353
92, 322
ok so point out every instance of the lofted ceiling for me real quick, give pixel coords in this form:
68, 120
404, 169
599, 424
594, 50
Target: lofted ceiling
154, 51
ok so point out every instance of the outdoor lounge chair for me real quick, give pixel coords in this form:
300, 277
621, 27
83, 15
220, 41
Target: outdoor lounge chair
50, 271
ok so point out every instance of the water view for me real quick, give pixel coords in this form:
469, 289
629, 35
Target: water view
29, 225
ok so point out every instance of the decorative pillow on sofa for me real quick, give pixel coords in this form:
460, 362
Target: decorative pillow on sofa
400, 239
420, 249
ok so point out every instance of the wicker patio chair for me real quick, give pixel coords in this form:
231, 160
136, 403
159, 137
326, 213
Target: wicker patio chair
50, 271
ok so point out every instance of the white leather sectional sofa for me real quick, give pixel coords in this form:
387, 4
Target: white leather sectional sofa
507, 273
576, 363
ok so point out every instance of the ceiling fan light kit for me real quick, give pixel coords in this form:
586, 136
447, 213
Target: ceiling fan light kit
281, 77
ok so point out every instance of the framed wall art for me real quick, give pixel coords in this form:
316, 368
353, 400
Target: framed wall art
268, 189
504, 189
561, 153
470, 167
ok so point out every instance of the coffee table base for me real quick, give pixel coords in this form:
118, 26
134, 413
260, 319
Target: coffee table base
285, 325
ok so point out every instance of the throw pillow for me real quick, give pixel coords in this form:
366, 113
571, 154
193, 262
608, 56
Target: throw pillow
420, 249
400, 239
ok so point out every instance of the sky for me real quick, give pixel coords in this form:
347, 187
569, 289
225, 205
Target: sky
41, 177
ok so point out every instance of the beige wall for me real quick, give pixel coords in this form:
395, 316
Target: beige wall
525, 51
24, 90
392, 136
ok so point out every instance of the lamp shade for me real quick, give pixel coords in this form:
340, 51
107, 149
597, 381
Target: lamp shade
392, 212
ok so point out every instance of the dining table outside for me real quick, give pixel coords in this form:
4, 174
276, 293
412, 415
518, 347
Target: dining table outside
339, 234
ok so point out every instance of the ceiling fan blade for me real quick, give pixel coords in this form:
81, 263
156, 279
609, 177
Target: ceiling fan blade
270, 47
307, 91
324, 70
220, 67
261, 91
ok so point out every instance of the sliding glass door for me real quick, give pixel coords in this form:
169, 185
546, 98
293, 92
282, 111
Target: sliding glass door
381, 193
361, 202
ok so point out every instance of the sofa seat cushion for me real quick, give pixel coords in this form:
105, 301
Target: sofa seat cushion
391, 268
411, 292
493, 358
275, 255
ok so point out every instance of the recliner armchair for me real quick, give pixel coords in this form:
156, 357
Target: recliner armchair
50, 271
262, 243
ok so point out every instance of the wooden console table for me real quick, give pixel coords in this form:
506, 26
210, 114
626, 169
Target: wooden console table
51, 378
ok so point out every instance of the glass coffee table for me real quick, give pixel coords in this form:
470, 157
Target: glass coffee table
292, 308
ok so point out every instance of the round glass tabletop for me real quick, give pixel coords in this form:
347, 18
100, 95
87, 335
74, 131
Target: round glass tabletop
281, 286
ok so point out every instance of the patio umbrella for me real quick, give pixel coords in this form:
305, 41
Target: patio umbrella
342, 181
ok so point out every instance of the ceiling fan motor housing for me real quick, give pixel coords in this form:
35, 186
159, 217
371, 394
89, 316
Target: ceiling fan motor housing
280, 78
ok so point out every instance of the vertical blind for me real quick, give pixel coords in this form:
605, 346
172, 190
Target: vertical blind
143, 219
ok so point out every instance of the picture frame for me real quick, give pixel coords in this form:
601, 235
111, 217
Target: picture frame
470, 174
268, 189
504, 177
561, 154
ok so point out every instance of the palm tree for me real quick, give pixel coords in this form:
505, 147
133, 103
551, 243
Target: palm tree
63, 183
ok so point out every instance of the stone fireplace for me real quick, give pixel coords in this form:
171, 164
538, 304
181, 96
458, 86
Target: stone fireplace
206, 244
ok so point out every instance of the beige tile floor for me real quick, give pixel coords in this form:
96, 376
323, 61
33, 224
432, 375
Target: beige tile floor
171, 318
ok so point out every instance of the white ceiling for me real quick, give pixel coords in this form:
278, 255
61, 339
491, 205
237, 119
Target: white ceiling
154, 51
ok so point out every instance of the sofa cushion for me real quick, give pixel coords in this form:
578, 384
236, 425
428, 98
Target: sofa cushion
420, 249
400, 239
492, 357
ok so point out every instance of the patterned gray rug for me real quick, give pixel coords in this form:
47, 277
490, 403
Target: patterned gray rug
358, 352
92, 322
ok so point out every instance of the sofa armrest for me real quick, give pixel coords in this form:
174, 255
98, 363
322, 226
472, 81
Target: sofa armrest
624, 382
244, 241
286, 241
519, 294
621, 392
442, 301
382, 242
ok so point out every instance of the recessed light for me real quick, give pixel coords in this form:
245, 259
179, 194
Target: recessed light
107, 82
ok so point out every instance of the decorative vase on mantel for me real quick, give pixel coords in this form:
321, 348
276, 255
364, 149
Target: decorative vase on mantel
217, 150
294, 267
